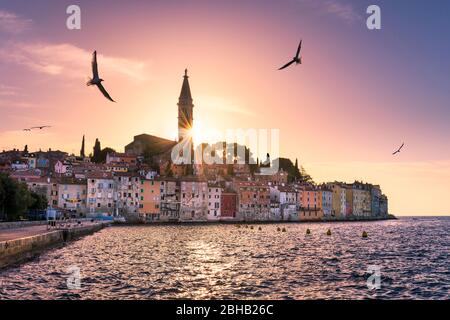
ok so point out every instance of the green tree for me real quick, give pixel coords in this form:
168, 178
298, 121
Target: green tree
15, 198
103, 153
97, 151
297, 174
304, 176
39, 201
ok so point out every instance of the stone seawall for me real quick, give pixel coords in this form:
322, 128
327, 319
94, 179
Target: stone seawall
20, 224
18, 250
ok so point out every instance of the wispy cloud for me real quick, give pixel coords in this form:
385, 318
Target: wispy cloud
7, 91
344, 11
12, 23
67, 60
338, 8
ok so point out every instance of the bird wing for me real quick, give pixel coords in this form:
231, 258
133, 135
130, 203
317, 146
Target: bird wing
105, 93
299, 48
401, 146
94, 65
287, 64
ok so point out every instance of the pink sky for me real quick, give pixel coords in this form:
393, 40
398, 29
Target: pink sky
342, 113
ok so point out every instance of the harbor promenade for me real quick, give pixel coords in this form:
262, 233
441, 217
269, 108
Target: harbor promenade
20, 243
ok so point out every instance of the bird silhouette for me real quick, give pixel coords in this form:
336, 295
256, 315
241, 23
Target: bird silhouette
26, 129
40, 127
296, 59
398, 150
96, 80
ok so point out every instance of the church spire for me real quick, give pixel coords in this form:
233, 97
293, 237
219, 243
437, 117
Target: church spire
185, 110
185, 95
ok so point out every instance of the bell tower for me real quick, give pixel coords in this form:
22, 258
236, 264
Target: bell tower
185, 110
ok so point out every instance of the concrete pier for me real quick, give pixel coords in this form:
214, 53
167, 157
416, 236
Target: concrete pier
19, 244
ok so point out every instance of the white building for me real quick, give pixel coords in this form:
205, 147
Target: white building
72, 195
287, 198
101, 188
127, 192
193, 198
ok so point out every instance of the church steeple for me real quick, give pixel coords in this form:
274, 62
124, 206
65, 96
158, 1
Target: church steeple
185, 109
185, 95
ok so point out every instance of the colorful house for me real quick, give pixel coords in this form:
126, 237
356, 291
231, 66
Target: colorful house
150, 200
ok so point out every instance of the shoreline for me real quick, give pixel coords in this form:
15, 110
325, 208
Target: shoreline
18, 250
237, 222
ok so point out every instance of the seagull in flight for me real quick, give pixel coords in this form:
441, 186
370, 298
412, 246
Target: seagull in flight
398, 150
39, 127
96, 80
296, 59
27, 129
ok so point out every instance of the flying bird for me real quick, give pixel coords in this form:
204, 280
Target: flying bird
26, 129
40, 127
96, 80
398, 150
296, 59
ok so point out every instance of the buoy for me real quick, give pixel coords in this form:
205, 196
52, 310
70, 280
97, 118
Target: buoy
259, 228
284, 230
329, 232
278, 229
308, 231
364, 234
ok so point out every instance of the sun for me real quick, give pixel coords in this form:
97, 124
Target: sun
204, 134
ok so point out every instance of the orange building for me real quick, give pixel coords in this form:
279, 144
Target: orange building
311, 204
149, 199
253, 199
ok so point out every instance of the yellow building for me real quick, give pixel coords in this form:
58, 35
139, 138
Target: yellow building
338, 199
149, 201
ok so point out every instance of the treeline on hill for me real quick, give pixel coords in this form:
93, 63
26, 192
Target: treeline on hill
16, 199
99, 155
294, 172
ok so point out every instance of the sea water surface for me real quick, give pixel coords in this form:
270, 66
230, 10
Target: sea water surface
411, 256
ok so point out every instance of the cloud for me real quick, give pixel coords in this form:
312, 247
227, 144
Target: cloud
6, 91
67, 60
344, 11
12, 23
